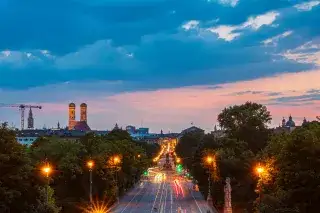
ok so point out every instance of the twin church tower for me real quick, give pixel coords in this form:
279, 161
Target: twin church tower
72, 116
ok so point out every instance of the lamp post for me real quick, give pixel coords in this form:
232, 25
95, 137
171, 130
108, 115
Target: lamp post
178, 160
46, 171
260, 170
116, 160
90, 165
210, 161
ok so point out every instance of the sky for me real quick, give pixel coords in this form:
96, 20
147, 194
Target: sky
162, 64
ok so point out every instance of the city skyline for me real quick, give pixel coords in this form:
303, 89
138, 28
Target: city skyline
157, 63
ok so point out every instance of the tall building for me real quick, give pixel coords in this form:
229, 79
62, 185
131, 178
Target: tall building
73, 123
83, 112
30, 120
72, 116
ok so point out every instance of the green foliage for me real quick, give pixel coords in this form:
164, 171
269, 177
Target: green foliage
22, 186
247, 122
298, 167
42, 205
69, 157
246, 134
17, 193
290, 180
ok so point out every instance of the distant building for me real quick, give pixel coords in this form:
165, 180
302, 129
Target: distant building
288, 126
116, 127
29, 136
26, 140
81, 125
30, 120
134, 132
191, 129
143, 131
131, 129
218, 133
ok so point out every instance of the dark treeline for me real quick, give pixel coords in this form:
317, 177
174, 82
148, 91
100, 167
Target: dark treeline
290, 181
23, 186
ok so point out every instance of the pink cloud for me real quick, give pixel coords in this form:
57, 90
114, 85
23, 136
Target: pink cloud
175, 109
203, 103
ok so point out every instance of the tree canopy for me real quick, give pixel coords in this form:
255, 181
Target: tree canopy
297, 180
19, 185
247, 122
22, 186
290, 178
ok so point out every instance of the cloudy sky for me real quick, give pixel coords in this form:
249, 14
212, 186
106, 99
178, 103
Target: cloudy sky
159, 63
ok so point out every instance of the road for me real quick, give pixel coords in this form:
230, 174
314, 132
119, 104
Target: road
163, 195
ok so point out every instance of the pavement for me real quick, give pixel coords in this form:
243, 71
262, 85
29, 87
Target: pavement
168, 195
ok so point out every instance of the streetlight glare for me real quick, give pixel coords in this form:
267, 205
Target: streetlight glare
209, 159
139, 156
46, 169
116, 159
260, 169
90, 164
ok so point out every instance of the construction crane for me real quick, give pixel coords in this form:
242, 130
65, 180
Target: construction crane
22, 108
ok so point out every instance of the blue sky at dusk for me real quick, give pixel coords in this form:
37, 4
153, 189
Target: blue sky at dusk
162, 63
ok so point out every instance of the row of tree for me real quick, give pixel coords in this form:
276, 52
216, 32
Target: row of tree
23, 187
289, 181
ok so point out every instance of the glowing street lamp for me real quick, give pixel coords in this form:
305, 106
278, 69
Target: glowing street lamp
46, 170
209, 159
260, 170
139, 156
116, 160
90, 165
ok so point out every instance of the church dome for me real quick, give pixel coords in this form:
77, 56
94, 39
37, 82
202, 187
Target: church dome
290, 122
83, 105
72, 105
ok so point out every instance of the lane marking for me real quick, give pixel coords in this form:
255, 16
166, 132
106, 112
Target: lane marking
171, 198
156, 197
131, 200
196, 202
163, 188
165, 198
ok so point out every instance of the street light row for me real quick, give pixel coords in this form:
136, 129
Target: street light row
47, 169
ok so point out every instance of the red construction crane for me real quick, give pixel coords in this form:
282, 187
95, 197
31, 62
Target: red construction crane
22, 108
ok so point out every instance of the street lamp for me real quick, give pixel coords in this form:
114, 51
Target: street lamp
46, 170
210, 160
178, 160
90, 165
116, 160
260, 170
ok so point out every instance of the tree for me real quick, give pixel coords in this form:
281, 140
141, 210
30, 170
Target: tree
39, 142
17, 176
71, 175
118, 134
67, 160
297, 179
247, 122
42, 205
